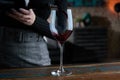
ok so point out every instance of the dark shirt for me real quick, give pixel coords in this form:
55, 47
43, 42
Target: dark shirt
24, 46
42, 10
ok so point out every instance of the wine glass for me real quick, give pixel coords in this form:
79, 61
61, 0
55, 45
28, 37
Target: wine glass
61, 38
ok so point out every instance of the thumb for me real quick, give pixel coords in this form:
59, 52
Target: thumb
31, 11
24, 11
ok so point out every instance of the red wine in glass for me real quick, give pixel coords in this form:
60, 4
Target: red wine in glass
61, 38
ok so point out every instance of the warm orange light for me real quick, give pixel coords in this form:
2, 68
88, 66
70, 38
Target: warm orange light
111, 4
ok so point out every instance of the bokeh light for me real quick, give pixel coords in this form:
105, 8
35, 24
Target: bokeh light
111, 4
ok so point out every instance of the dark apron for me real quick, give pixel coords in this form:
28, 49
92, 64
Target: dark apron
19, 48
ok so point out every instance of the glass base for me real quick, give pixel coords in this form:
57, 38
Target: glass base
61, 73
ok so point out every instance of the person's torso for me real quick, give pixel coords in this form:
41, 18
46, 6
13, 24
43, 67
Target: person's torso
20, 47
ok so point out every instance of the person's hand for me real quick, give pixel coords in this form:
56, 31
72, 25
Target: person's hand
24, 16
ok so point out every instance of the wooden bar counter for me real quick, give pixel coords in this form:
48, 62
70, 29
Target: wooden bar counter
103, 71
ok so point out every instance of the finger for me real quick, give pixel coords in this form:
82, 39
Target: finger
15, 12
24, 11
20, 15
27, 22
12, 15
22, 20
17, 18
25, 17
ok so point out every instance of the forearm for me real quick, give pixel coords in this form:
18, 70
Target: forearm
42, 27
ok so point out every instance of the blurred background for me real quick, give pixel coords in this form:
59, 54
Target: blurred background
96, 35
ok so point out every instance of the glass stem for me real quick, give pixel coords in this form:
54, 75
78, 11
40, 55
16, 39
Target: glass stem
61, 57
